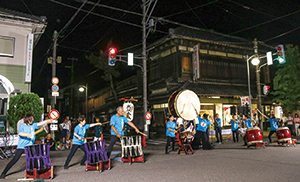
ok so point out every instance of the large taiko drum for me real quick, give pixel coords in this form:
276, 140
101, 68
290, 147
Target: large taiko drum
183, 104
283, 133
254, 135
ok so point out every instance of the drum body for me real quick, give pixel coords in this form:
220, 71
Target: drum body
254, 135
283, 133
183, 104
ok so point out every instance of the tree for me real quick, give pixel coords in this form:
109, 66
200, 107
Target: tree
100, 62
286, 82
24, 104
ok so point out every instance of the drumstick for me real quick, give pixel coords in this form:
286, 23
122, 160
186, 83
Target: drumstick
38, 131
105, 122
142, 133
195, 109
25, 179
87, 138
182, 109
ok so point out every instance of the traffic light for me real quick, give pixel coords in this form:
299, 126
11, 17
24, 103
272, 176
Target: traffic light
112, 54
280, 53
266, 89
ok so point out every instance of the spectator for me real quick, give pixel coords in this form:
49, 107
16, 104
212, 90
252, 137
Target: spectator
98, 130
65, 128
50, 141
297, 124
284, 120
290, 123
59, 145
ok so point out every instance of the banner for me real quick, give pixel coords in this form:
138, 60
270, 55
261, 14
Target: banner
29, 56
196, 66
128, 108
245, 101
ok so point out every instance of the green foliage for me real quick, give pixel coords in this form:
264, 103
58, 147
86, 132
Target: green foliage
286, 82
24, 104
101, 62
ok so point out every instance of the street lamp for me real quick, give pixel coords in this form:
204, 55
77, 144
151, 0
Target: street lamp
81, 89
255, 62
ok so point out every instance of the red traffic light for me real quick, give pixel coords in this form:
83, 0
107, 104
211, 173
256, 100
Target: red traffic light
112, 51
279, 48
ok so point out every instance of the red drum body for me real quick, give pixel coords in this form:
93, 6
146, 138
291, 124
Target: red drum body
183, 104
254, 136
283, 134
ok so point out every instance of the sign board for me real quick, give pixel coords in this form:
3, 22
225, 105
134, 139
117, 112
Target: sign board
148, 116
148, 122
53, 127
28, 69
54, 114
245, 101
55, 88
55, 80
195, 61
55, 94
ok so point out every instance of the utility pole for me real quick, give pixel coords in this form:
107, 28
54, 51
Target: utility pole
55, 37
146, 21
258, 87
72, 83
145, 67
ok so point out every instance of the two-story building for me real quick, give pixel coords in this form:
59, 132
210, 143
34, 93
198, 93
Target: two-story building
220, 83
19, 33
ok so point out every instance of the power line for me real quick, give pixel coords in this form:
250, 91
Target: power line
27, 7
280, 35
195, 14
72, 18
103, 16
79, 22
191, 9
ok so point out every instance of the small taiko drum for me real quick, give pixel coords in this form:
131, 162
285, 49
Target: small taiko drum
183, 104
254, 135
283, 133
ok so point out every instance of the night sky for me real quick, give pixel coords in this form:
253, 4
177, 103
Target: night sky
271, 21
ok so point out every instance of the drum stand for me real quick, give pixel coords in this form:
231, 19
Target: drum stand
182, 139
288, 142
132, 149
257, 144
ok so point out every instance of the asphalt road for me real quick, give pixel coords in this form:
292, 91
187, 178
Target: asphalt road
227, 162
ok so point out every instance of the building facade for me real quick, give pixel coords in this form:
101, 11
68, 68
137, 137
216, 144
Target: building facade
219, 78
19, 33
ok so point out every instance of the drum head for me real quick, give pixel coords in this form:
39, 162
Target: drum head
185, 104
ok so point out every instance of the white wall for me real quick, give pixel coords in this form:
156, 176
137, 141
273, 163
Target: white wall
19, 32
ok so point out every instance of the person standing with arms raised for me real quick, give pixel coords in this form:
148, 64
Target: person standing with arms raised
117, 122
26, 138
